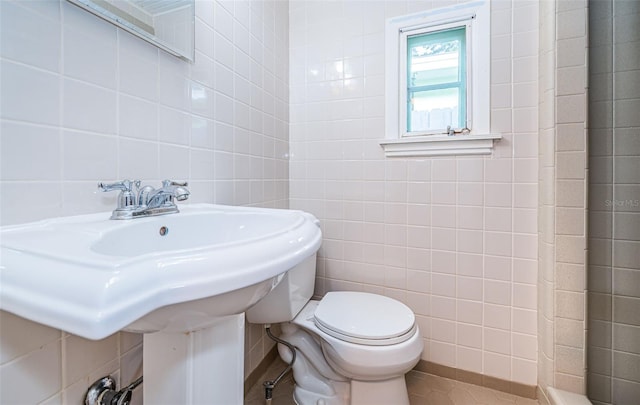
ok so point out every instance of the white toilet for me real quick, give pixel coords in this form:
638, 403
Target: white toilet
352, 347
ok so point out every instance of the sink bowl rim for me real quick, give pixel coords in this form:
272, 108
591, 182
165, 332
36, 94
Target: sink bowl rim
101, 311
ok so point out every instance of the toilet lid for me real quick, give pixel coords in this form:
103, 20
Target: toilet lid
364, 318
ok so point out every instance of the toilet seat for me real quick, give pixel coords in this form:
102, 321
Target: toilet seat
363, 318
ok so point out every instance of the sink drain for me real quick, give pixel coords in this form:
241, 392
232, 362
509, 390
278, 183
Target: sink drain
164, 231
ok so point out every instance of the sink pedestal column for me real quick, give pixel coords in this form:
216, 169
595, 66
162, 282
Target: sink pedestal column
196, 368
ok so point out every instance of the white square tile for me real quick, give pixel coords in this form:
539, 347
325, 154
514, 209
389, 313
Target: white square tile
395, 277
175, 126
443, 330
418, 237
525, 246
14, 211
524, 346
498, 194
497, 365
525, 195
137, 118
525, 44
419, 303
443, 284
29, 152
469, 288
525, 69
442, 353
395, 256
470, 194
469, 241
469, 264
88, 107
88, 156
497, 292
501, 96
525, 95
419, 281
418, 258
470, 217
443, 239
21, 337
138, 73
501, 71
469, 312
525, 296
469, 335
469, 359
497, 316
41, 104
498, 243
83, 356
30, 37
443, 307
524, 372
524, 321
174, 163
443, 216
34, 377
90, 58
501, 47
498, 219
497, 268
443, 193
129, 163
497, 341
470, 170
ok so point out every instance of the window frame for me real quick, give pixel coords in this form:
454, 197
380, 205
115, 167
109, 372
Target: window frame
403, 115
479, 139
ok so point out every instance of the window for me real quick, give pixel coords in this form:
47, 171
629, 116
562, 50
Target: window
437, 82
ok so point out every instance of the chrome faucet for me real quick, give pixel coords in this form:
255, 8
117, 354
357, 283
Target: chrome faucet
149, 201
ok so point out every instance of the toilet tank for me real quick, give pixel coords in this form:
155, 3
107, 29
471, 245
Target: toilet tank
284, 302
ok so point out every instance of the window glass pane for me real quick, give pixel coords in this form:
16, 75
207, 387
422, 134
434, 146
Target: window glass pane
436, 82
432, 110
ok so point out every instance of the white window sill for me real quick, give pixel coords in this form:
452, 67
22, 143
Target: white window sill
440, 145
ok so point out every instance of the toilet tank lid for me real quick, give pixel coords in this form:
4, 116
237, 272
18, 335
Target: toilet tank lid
364, 315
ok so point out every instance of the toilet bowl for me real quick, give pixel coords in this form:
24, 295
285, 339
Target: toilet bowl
352, 347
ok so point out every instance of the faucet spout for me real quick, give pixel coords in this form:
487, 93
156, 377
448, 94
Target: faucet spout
165, 195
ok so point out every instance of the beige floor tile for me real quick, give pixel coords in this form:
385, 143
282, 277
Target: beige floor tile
506, 396
438, 398
417, 400
416, 385
483, 395
439, 383
461, 396
526, 401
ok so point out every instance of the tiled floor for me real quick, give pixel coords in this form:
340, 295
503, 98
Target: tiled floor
424, 389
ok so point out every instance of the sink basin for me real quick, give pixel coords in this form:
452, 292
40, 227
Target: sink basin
92, 276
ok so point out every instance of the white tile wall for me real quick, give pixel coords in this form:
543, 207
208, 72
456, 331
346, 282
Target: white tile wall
454, 238
83, 101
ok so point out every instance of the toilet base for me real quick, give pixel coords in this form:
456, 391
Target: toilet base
393, 391
340, 395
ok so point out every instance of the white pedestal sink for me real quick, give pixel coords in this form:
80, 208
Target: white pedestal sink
202, 367
184, 280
